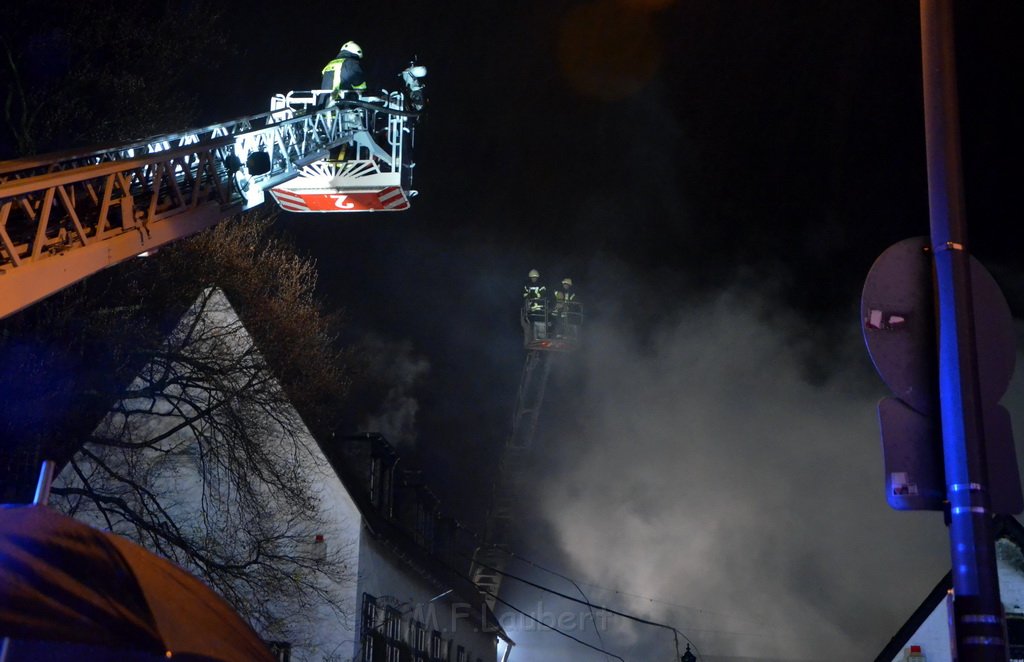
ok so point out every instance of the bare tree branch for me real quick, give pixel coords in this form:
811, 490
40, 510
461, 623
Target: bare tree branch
202, 455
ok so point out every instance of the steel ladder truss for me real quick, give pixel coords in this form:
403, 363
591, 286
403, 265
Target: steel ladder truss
491, 558
66, 216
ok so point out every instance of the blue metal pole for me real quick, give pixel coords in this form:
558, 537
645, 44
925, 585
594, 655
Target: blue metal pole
42, 496
977, 609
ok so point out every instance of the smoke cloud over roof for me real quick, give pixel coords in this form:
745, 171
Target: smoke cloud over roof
705, 463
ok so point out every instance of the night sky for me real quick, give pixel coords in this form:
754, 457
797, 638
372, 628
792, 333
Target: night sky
717, 178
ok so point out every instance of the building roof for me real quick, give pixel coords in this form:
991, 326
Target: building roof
345, 459
384, 527
1006, 527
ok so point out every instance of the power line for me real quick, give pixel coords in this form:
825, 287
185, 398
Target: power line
480, 540
639, 596
633, 595
586, 600
513, 555
551, 627
591, 606
572, 581
520, 611
645, 621
536, 620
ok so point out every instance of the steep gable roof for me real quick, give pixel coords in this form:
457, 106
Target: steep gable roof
214, 304
397, 537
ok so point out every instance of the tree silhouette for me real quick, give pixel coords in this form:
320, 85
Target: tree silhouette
76, 73
213, 361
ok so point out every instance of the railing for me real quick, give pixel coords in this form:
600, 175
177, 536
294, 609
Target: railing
65, 216
379, 125
551, 325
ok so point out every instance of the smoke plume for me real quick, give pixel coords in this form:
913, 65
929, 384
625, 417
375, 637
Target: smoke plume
715, 467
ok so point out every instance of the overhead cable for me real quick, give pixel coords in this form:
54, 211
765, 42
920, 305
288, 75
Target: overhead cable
551, 627
572, 581
609, 610
532, 618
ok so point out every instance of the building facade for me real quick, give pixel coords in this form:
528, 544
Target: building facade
365, 571
416, 602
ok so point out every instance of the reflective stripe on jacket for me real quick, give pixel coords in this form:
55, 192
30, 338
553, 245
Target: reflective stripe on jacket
535, 294
336, 76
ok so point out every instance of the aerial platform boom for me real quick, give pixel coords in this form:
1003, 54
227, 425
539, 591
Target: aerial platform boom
546, 329
68, 215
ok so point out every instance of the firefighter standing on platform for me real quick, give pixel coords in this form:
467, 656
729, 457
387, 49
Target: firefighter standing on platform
565, 307
344, 72
342, 75
535, 299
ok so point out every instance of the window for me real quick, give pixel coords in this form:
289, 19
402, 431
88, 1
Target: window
435, 647
387, 491
375, 471
368, 624
419, 642
382, 484
425, 525
393, 634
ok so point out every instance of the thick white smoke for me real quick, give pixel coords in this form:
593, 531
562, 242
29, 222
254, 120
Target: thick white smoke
705, 468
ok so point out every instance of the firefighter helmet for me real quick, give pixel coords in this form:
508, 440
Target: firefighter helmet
533, 274
353, 48
567, 282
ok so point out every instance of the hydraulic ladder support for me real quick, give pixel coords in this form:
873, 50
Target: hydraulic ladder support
492, 556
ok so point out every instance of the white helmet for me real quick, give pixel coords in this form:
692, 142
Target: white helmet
533, 273
567, 282
353, 48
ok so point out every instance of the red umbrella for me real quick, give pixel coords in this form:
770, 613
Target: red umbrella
104, 597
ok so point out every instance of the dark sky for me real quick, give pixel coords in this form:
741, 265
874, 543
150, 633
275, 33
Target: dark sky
718, 178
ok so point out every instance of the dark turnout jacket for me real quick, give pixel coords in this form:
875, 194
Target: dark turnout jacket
343, 73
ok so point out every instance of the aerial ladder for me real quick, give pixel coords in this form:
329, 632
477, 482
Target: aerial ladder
548, 329
65, 216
